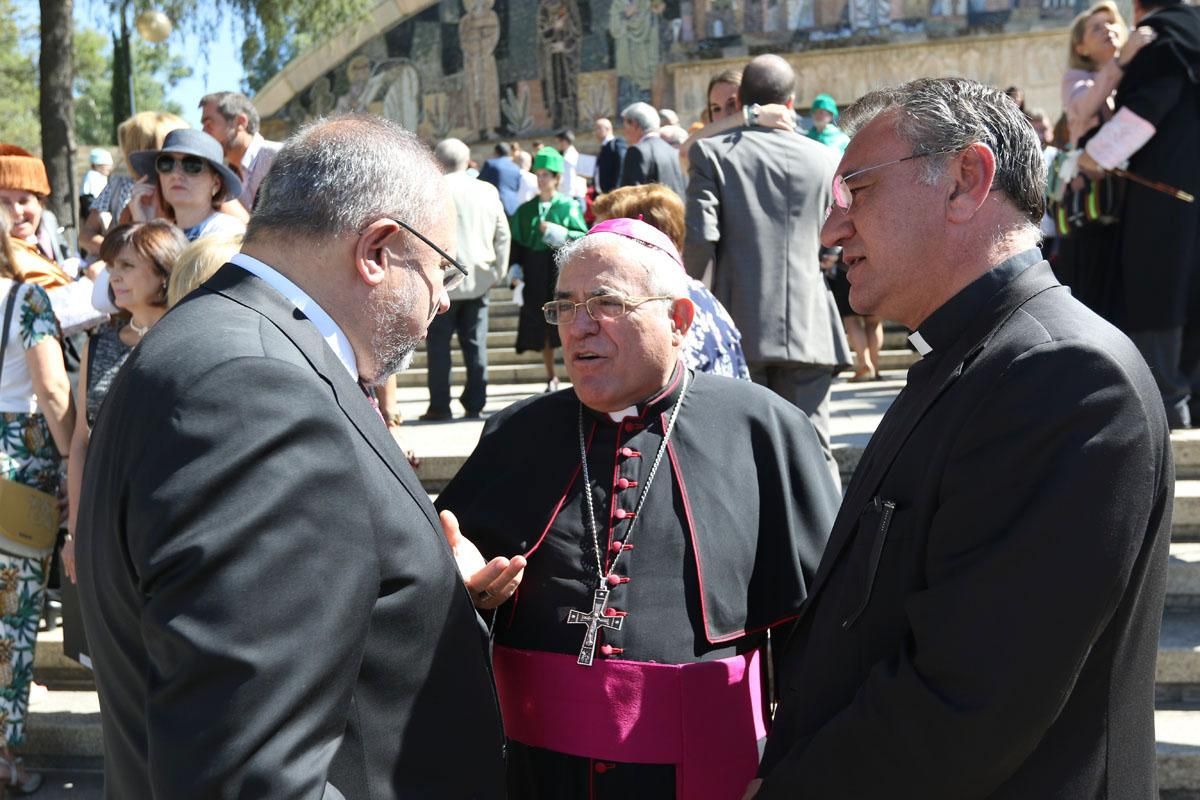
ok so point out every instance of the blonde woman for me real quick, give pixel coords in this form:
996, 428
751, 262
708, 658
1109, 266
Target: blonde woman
197, 263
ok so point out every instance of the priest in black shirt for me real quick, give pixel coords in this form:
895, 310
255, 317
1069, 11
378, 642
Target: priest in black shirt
669, 520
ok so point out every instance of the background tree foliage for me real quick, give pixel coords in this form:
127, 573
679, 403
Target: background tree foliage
18, 80
156, 69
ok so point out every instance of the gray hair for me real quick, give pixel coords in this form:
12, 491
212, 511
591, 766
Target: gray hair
336, 176
644, 115
452, 154
942, 116
664, 276
230, 104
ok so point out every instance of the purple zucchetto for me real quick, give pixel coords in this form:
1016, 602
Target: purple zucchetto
639, 231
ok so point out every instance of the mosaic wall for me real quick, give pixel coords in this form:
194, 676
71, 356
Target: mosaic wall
486, 69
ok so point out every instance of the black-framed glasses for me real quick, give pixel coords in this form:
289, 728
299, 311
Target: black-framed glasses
192, 165
600, 307
453, 273
843, 198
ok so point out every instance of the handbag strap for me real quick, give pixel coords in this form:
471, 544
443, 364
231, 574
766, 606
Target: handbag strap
9, 304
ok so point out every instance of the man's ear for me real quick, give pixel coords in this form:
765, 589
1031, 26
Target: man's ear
370, 253
972, 171
683, 312
241, 121
790, 102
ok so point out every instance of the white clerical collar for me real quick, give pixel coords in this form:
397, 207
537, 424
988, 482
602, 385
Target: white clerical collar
329, 330
617, 416
918, 341
607, 139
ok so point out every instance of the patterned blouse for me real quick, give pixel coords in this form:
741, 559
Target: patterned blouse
714, 344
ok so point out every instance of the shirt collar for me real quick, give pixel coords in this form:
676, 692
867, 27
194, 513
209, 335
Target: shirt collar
251, 153
607, 139
948, 322
329, 330
658, 403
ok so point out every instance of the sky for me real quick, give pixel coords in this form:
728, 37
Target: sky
216, 68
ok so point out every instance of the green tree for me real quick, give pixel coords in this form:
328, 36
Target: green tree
18, 82
156, 69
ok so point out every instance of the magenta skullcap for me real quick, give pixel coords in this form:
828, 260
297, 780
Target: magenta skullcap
639, 231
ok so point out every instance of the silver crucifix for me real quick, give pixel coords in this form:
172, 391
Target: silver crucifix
594, 620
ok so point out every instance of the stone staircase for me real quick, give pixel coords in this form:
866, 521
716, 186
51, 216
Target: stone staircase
63, 730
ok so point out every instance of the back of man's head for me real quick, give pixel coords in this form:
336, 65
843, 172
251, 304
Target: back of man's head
230, 104
767, 79
567, 136
503, 149
603, 127
644, 115
336, 176
452, 154
940, 117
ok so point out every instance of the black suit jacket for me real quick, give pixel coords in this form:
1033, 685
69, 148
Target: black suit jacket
272, 608
985, 619
609, 161
653, 161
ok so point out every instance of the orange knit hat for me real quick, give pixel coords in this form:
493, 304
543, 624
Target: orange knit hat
22, 170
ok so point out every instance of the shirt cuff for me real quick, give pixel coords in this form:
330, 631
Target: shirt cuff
1119, 138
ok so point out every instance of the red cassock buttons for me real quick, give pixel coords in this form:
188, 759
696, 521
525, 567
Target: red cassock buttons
620, 513
623, 483
627, 451
607, 649
616, 547
613, 580
601, 768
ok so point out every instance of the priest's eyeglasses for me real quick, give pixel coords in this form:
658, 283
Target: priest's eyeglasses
600, 307
843, 197
453, 273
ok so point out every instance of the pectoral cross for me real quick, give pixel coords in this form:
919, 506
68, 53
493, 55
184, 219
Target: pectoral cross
594, 620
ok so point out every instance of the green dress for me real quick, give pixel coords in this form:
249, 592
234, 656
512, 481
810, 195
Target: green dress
537, 260
27, 455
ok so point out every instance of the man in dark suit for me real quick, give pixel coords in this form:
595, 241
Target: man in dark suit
503, 173
985, 619
611, 157
649, 159
272, 606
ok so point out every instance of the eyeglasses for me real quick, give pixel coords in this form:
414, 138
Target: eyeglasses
600, 307
843, 198
192, 165
453, 273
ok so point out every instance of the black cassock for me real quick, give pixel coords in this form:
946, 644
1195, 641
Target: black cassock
1160, 236
723, 549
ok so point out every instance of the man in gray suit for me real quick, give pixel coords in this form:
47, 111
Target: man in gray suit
756, 199
649, 159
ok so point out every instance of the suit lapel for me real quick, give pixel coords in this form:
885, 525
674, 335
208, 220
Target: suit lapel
248, 290
916, 400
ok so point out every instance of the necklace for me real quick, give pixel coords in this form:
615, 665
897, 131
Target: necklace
596, 618
138, 329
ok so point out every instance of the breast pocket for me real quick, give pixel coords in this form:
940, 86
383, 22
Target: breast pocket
874, 525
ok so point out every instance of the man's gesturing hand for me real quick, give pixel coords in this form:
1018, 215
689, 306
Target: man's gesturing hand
490, 583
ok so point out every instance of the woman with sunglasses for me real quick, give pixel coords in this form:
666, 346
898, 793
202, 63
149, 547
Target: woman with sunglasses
189, 183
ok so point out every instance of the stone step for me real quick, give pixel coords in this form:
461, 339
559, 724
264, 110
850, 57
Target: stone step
1183, 576
52, 668
1177, 671
1178, 734
63, 726
1185, 521
496, 357
1186, 447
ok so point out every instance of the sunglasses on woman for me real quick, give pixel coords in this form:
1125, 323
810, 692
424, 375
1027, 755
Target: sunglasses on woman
192, 165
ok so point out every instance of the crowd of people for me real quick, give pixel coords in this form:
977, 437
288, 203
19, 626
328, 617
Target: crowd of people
273, 605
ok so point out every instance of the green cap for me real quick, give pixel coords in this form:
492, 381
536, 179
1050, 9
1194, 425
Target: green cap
825, 103
548, 158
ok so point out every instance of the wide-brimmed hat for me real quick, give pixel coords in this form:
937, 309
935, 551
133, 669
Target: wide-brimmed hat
22, 170
190, 142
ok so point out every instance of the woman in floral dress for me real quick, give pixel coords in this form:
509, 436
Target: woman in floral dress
36, 418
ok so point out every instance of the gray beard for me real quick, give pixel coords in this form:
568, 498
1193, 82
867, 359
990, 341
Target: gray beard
391, 347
